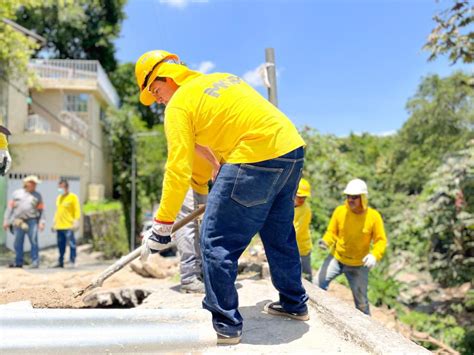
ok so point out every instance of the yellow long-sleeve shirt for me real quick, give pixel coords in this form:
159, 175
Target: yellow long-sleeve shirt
301, 222
202, 173
68, 210
222, 112
3, 141
349, 235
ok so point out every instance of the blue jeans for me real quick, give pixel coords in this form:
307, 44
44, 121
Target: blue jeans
247, 199
32, 233
358, 277
65, 235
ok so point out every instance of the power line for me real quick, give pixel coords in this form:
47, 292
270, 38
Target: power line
56, 118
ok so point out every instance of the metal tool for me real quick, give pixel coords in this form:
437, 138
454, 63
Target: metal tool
124, 260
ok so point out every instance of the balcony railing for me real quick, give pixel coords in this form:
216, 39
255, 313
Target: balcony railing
72, 69
73, 127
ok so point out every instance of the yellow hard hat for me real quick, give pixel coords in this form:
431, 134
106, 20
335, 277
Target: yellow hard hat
144, 68
304, 188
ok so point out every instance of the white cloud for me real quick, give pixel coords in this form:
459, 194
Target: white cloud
180, 4
254, 77
386, 133
205, 67
257, 77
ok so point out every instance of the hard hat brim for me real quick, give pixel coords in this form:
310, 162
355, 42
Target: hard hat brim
146, 98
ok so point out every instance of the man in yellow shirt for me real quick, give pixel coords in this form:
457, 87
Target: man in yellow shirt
66, 221
352, 229
5, 158
301, 222
253, 192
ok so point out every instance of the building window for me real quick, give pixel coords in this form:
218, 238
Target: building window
76, 103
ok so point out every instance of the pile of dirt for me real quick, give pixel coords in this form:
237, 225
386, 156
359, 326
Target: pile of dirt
42, 297
48, 289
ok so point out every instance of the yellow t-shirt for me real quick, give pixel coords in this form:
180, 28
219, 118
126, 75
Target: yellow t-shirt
222, 112
3, 141
349, 235
301, 222
68, 210
202, 173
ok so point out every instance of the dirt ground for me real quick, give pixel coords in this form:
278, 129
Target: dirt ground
49, 287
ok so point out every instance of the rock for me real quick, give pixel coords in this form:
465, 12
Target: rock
265, 271
156, 266
137, 267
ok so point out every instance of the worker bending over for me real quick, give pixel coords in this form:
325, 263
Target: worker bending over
253, 192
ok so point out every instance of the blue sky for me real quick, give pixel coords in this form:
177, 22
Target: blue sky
343, 65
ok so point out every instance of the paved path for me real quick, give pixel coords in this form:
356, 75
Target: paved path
262, 333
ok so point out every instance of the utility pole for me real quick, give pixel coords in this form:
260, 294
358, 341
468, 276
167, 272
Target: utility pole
133, 197
271, 72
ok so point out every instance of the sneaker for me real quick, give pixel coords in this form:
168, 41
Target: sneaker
195, 286
12, 265
227, 339
58, 265
34, 266
276, 309
71, 265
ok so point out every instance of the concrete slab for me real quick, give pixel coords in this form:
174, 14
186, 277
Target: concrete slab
262, 333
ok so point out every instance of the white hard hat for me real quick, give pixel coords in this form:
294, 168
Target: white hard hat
356, 187
32, 178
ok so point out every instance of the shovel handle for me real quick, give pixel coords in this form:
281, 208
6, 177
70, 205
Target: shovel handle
126, 259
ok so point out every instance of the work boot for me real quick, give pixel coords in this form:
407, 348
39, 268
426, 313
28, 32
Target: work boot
228, 340
195, 286
13, 265
276, 309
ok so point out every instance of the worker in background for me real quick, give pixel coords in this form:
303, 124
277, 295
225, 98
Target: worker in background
356, 240
302, 222
187, 238
66, 221
5, 158
25, 215
263, 158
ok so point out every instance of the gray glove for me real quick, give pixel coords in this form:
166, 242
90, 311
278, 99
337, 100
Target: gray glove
157, 238
5, 161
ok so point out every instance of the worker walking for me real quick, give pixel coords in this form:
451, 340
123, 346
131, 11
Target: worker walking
25, 215
352, 229
302, 221
254, 190
66, 221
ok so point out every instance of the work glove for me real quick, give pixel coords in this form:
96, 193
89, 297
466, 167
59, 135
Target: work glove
76, 225
369, 261
157, 238
5, 161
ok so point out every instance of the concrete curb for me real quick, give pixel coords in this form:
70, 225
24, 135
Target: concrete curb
87, 331
357, 327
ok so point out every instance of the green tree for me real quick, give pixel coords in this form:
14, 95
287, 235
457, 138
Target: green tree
16, 48
452, 34
441, 121
123, 79
449, 221
125, 123
82, 29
